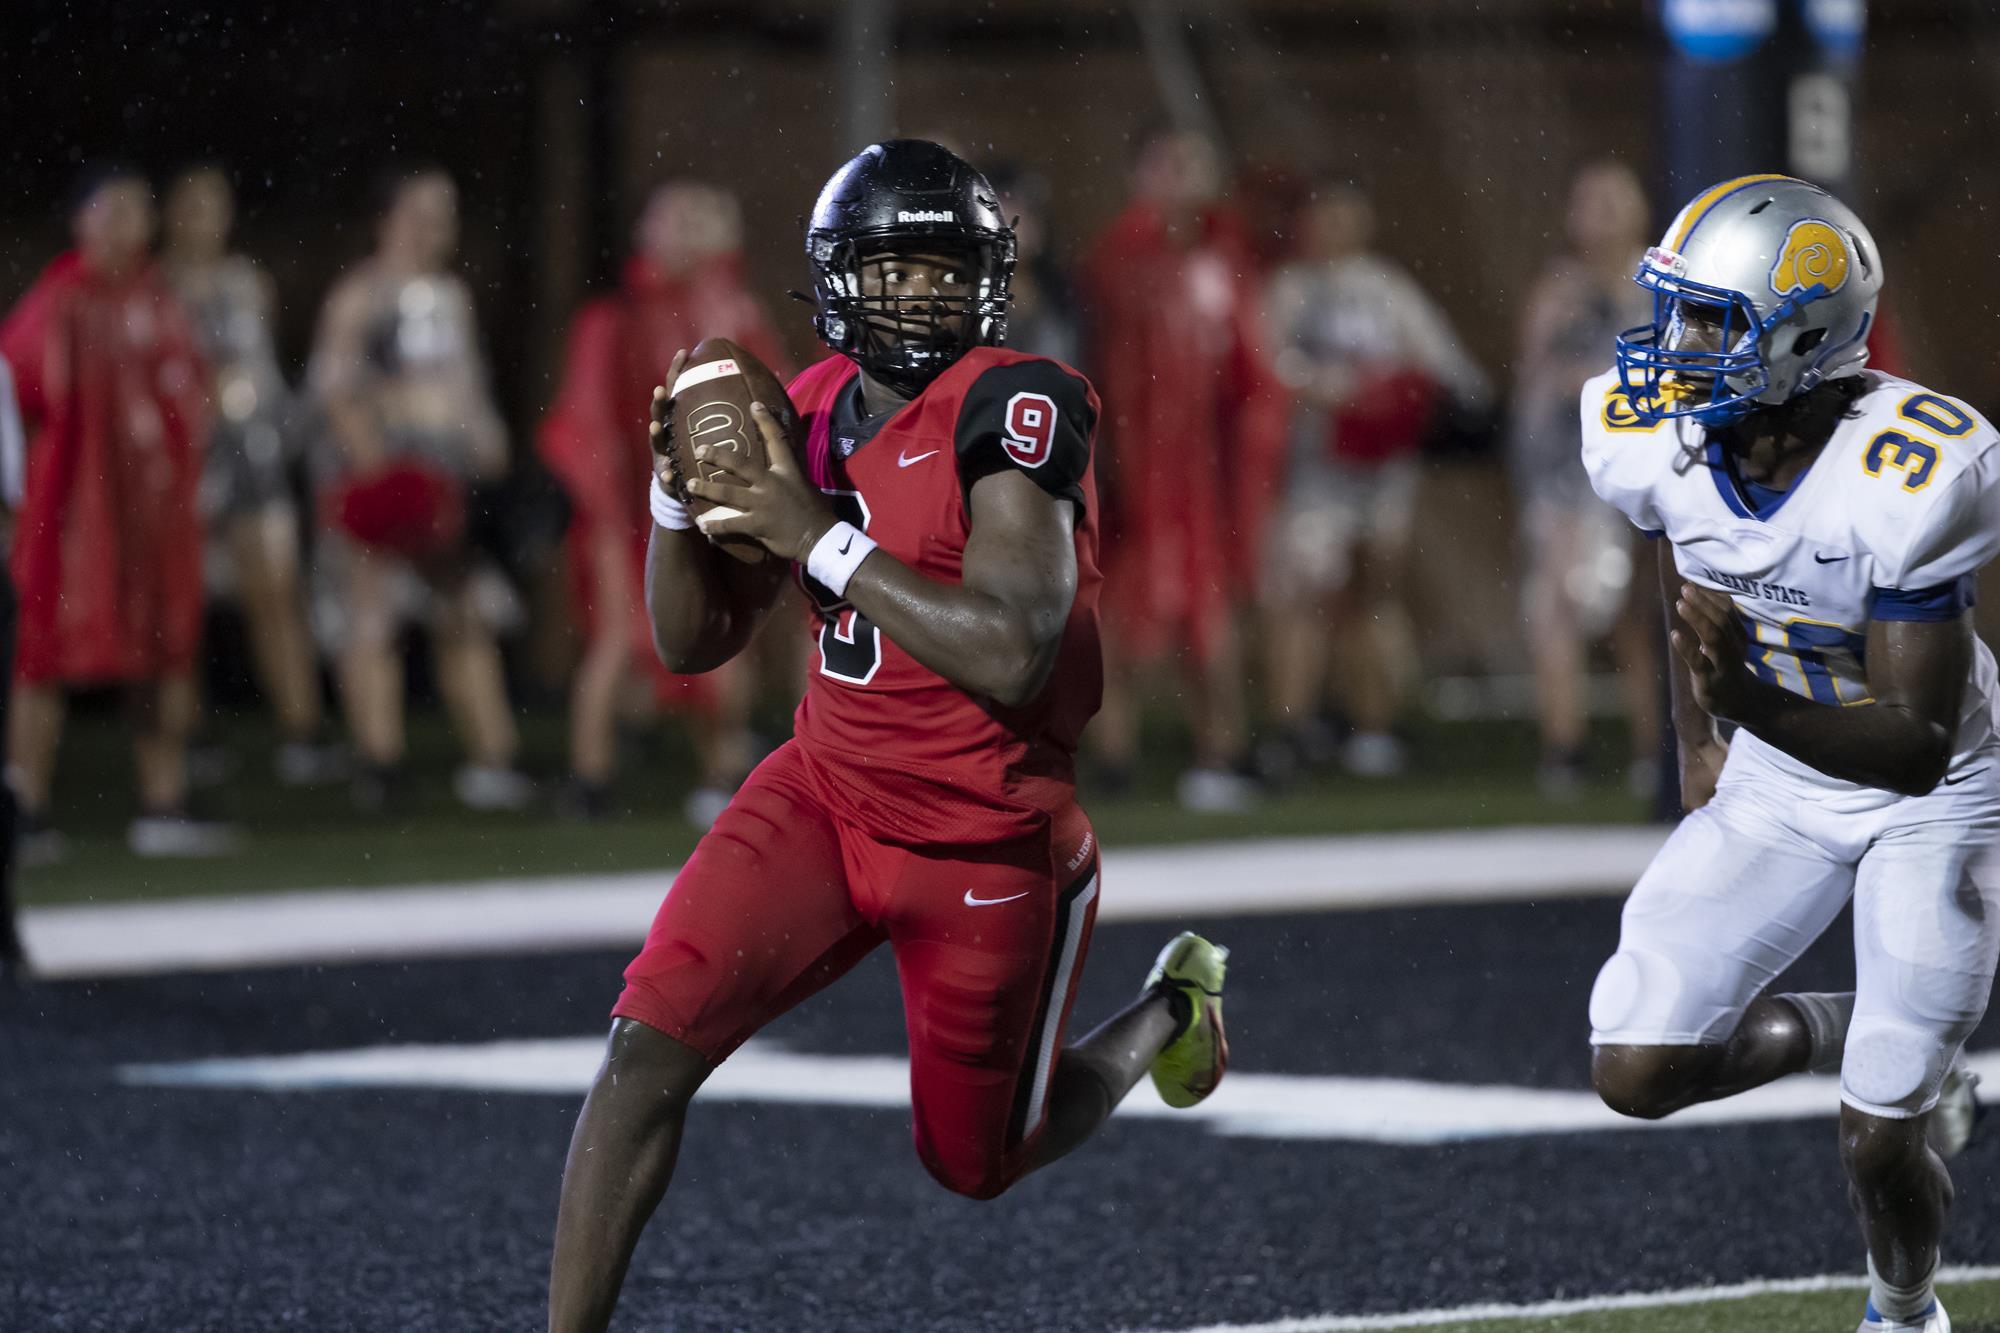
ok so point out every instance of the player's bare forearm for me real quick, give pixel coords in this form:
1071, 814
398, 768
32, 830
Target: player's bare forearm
1900, 741
1699, 749
1878, 744
997, 633
979, 642
705, 606
1903, 740
1693, 727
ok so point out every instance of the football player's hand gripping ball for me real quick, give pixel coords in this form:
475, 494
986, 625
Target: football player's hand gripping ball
778, 508
668, 461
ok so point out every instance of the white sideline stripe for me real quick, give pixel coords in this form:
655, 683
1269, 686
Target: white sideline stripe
1651, 1300
1247, 1105
604, 910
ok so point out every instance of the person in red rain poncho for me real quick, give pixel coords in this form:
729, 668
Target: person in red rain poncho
1192, 432
683, 283
107, 556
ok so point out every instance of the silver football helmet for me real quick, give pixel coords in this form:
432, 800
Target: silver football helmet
1763, 288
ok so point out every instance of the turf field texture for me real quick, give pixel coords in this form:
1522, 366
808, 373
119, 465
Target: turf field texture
1462, 775
1974, 1307
367, 1204
1822, 1305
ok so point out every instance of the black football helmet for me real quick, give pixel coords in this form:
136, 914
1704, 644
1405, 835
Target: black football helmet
909, 197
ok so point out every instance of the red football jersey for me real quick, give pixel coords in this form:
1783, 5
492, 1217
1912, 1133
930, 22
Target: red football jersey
916, 758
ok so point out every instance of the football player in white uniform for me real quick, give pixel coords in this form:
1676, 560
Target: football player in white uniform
1821, 526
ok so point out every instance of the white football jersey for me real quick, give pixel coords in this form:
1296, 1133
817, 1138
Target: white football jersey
1891, 522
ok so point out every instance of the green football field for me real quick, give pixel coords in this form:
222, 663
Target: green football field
1462, 775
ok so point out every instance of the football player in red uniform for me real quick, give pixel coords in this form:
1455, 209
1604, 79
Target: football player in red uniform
942, 521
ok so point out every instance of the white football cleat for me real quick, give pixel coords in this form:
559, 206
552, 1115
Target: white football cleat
1957, 1111
1935, 1320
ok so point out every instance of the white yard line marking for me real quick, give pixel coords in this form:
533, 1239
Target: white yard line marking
1248, 1105
613, 910
1651, 1300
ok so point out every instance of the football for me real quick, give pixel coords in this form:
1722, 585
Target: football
711, 407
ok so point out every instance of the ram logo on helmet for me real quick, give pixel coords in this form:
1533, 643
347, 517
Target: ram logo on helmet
1814, 252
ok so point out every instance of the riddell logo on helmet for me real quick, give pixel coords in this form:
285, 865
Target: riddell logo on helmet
926, 215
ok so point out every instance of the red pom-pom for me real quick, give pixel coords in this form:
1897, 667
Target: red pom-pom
410, 510
1386, 418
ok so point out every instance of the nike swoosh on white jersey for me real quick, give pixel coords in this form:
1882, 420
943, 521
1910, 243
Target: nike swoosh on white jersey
905, 461
971, 901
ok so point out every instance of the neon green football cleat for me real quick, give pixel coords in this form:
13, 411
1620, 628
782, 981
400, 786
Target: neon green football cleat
1190, 972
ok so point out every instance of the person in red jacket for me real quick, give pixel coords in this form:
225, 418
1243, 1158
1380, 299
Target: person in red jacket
1190, 452
683, 283
107, 556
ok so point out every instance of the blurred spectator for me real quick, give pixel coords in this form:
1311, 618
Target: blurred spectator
13, 468
683, 283
1041, 319
246, 488
1171, 306
1581, 552
397, 372
107, 555
1369, 357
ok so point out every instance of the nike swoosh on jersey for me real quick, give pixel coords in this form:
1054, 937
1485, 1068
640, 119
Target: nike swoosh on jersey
971, 901
903, 460
1819, 559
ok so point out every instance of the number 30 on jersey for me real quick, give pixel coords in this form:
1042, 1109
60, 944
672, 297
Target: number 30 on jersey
1913, 456
850, 645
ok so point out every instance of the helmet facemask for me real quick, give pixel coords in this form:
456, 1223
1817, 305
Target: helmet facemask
905, 342
1699, 357
1704, 356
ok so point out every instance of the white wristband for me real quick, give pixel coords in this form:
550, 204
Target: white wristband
668, 512
836, 556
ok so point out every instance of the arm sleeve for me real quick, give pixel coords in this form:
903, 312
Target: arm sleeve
1624, 461
1947, 601
1037, 417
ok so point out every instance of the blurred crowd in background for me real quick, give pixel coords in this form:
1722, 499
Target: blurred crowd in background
1269, 393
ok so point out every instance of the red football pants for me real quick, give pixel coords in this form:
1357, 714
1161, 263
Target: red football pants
781, 897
